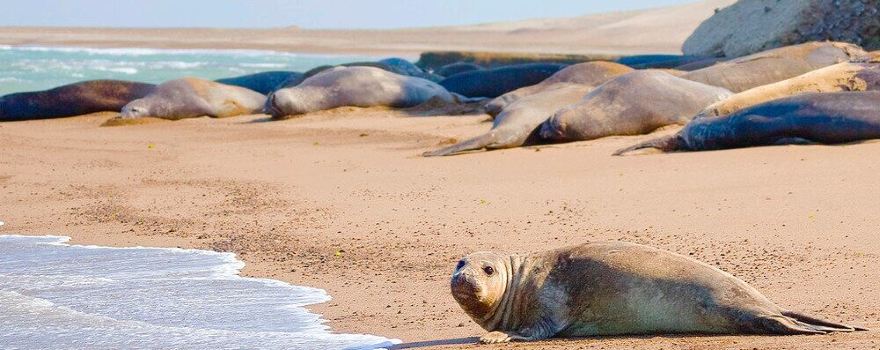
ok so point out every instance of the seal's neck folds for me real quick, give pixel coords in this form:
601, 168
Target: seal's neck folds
514, 270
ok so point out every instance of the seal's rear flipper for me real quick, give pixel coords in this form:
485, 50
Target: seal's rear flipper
475, 143
837, 327
665, 144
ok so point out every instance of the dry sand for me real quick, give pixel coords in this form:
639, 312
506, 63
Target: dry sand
341, 200
660, 30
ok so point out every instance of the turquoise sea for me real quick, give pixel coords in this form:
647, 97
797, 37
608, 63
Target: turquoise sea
40, 68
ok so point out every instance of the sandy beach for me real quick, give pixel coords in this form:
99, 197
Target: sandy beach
341, 200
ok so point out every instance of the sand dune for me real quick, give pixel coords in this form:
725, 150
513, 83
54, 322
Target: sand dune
660, 30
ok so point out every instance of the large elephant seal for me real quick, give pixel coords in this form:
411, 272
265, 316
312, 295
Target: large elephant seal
589, 73
491, 83
631, 104
846, 76
614, 288
775, 65
517, 124
828, 118
193, 97
263, 82
355, 87
71, 100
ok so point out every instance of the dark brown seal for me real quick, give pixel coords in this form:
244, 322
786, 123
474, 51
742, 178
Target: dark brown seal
74, 99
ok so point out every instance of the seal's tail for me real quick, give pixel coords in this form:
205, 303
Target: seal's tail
793, 323
665, 144
817, 322
475, 143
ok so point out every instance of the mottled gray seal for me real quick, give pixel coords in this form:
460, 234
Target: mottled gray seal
615, 288
828, 118
634, 103
846, 76
491, 83
517, 124
193, 97
71, 100
264, 82
405, 67
589, 73
356, 87
775, 65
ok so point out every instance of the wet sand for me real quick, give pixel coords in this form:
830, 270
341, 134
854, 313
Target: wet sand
341, 200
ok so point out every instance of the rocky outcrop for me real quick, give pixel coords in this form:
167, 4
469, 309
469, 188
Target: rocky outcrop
750, 26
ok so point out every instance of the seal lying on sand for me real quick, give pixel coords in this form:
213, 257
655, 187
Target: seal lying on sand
775, 65
589, 73
264, 82
73, 99
492, 83
839, 77
829, 118
393, 65
357, 87
631, 104
193, 97
517, 124
614, 288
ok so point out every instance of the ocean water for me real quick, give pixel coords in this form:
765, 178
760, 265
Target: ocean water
59, 296
40, 68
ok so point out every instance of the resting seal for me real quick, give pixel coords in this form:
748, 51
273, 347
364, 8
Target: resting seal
491, 83
614, 288
356, 87
194, 97
74, 99
774, 65
828, 118
634, 103
518, 122
457, 68
844, 76
589, 73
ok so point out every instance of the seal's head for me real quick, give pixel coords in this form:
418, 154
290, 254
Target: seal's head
479, 282
135, 109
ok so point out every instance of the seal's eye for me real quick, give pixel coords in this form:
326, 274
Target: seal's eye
489, 270
460, 265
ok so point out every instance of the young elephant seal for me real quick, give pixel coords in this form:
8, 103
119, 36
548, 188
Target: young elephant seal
614, 288
827, 118
588, 73
517, 124
846, 76
774, 65
356, 87
634, 103
194, 97
73, 99
491, 83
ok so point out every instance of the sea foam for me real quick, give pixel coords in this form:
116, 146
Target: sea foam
55, 295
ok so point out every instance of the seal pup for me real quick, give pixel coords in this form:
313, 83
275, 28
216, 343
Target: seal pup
73, 99
826, 118
634, 103
588, 73
264, 82
491, 83
775, 65
614, 288
846, 76
356, 87
193, 97
517, 124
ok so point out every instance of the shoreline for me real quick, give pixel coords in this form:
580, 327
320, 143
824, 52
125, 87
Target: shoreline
311, 202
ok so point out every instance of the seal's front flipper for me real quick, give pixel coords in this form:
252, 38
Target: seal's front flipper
502, 337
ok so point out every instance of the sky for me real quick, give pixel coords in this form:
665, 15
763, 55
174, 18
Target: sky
315, 14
